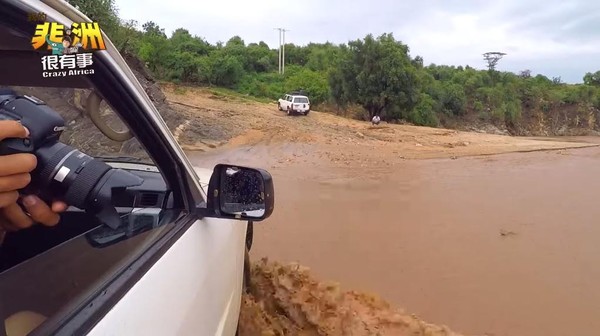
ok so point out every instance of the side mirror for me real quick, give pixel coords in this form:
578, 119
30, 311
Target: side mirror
241, 193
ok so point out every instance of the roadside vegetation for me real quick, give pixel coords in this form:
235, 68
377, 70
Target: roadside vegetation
364, 77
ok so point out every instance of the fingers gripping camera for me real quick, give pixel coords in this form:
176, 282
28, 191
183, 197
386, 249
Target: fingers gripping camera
62, 171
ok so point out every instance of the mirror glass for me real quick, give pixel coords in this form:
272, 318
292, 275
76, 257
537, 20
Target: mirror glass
242, 192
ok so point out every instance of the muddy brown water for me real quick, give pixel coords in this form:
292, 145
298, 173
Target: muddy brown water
499, 245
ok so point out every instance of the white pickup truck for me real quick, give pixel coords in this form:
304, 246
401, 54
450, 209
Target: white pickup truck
294, 104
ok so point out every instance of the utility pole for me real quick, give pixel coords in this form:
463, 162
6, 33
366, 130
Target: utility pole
281, 49
283, 54
279, 56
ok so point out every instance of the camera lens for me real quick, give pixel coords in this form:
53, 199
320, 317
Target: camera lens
62, 172
68, 172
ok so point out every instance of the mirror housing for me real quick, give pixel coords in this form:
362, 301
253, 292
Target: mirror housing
240, 193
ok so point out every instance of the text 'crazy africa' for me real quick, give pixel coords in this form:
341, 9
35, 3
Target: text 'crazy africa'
67, 65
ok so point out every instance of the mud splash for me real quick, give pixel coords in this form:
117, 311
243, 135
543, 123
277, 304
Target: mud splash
286, 300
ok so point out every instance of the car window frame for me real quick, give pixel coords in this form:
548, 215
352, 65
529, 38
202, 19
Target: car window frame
105, 297
176, 175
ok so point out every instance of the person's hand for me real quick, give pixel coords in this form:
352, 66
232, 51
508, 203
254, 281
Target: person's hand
15, 172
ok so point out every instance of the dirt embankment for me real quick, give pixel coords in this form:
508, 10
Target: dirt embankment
558, 119
543, 119
244, 122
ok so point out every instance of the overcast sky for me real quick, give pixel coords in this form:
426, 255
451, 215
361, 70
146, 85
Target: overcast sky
555, 38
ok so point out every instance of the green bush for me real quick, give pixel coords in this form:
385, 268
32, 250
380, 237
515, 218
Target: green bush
423, 114
454, 99
267, 85
511, 111
313, 83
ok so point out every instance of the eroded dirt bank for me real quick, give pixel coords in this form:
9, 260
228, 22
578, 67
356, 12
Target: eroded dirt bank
487, 245
287, 300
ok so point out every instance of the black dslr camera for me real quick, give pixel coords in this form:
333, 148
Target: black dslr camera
62, 171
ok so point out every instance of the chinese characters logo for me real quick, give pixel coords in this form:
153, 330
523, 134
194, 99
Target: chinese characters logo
70, 48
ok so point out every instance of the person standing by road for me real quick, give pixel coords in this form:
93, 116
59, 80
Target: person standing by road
375, 120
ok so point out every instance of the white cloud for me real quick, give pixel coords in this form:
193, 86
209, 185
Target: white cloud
553, 37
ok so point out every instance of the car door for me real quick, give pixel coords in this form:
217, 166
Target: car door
195, 288
194, 285
183, 276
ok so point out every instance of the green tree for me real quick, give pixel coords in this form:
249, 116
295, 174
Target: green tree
423, 114
225, 70
592, 78
182, 40
377, 73
126, 37
312, 82
418, 62
259, 57
295, 55
155, 49
152, 29
322, 57
183, 66
235, 41
102, 11
453, 99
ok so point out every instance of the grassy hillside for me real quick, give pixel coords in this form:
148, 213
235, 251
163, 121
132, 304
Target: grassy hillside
373, 75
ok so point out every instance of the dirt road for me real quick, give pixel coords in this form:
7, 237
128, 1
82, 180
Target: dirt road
496, 244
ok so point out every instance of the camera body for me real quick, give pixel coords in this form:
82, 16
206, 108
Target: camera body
44, 124
62, 172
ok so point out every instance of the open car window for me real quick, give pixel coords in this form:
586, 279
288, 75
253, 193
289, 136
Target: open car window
64, 82
51, 271
80, 131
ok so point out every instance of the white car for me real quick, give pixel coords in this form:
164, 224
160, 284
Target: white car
294, 104
150, 244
